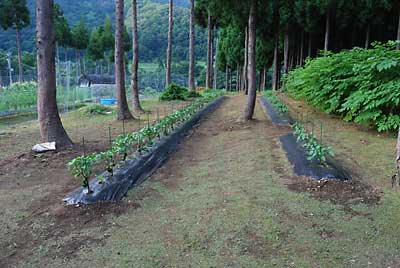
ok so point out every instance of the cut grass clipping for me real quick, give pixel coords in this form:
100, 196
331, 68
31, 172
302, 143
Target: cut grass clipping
95, 109
275, 101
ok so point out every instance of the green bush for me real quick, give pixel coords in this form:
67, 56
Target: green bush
174, 92
94, 109
360, 85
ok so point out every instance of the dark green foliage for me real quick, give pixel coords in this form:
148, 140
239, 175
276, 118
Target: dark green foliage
174, 92
61, 27
80, 35
361, 85
14, 14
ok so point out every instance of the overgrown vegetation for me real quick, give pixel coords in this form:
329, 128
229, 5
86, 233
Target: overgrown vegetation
315, 149
177, 92
275, 101
360, 85
131, 144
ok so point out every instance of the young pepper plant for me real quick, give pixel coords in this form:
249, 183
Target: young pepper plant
82, 167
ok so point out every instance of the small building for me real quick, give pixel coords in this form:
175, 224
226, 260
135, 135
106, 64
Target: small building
101, 86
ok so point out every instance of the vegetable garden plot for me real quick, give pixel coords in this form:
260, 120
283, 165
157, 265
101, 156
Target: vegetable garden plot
308, 157
113, 184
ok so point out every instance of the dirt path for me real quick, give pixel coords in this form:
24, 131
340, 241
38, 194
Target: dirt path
220, 201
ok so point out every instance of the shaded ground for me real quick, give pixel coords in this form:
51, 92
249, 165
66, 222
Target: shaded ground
227, 198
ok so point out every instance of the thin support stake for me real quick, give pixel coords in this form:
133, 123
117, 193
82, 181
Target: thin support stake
321, 132
83, 145
109, 135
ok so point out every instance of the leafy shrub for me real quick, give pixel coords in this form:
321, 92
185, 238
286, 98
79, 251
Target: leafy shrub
275, 101
360, 85
94, 109
174, 92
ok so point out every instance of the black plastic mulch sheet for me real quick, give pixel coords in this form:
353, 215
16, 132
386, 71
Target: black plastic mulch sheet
276, 117
297, 154
136, 171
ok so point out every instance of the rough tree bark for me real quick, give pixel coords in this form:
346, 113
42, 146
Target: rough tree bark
51, 128
215, 68
226, 78
137, 108
309, 45
237, 86
123, 109
398, 34
20, 68
327, 30
301, 59
263, 78
192, 86
367, 36
244, 83
252, 83
286, 51
209, 51
169, 48
398, 154
276, 74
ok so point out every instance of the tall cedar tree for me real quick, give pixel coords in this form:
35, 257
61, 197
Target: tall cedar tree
191, 48
169, 48
15, 14
123, 109
51, 128
137, 108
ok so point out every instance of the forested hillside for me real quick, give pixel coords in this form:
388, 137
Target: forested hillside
152, 25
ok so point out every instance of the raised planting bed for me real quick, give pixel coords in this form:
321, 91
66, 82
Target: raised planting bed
307, 156
138, 158
277, 117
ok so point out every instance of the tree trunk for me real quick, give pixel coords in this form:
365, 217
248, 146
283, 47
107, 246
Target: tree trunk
327, 30
286, 51
51, 128
398, 155
226, 78
398, 34
246, 53
263, 79
237, 77
276, 75
367, 36
309, 45
252, 83
123, 109
137, 108
192, 86
230, 79
301, 57
215, 68
209, 51
169, 48
20, 68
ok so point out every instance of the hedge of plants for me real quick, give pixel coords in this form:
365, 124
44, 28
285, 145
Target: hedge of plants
131, 145
275, 101
360, 85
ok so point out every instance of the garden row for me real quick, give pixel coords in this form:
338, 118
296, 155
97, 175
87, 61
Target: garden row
132, 145
314, 147
360, 85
